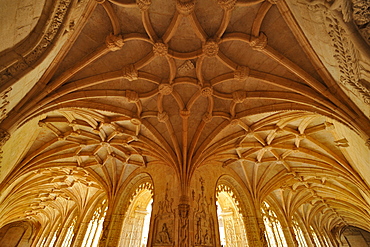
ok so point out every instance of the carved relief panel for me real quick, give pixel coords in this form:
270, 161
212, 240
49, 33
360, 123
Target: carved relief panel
203, 220
164, 223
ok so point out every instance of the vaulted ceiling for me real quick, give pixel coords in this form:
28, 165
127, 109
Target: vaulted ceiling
186, 83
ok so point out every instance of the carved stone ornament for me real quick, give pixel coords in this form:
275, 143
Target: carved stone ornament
207, 91
143, 4
4, 137
183, 224
368, 143
188, 65
113, 42
347, 57
241, 73
210, 48
207, 117
160, 49
29, 59
185, 7
259, 43
164, 223
227, 4
130, 73
346, 54
351, 10
165, 88
204, 227
3, 103
162, 117
239, 96
132, 96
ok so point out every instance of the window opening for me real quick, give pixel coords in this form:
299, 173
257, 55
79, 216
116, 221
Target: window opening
299, 234
274, 232
231, 225
315, 238
54, 237
95, 227
136, 224
69, 235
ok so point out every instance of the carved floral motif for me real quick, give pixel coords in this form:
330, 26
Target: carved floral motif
210, 48
347, 58
160, 49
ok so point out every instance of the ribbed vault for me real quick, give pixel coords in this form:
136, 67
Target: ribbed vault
187, 84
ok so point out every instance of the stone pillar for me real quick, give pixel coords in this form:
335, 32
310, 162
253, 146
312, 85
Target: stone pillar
40, 236
290, 236
51, 234
62, 232
183, 224
261, 233
114, 225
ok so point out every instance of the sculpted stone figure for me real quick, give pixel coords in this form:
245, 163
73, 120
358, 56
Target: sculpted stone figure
164, 236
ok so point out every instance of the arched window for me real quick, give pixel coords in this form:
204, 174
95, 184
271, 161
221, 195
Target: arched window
69, 235
95, 226
54, 238
315, 238
136, 223
274, 232
299, 234
231, 225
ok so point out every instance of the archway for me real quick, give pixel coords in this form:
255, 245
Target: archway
231, 224
136, 223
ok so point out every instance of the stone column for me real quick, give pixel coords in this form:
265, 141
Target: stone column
40, 236
51, 234
261, 233
289, 234
115, 228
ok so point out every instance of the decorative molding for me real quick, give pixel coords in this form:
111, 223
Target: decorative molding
4, 102
48, 37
